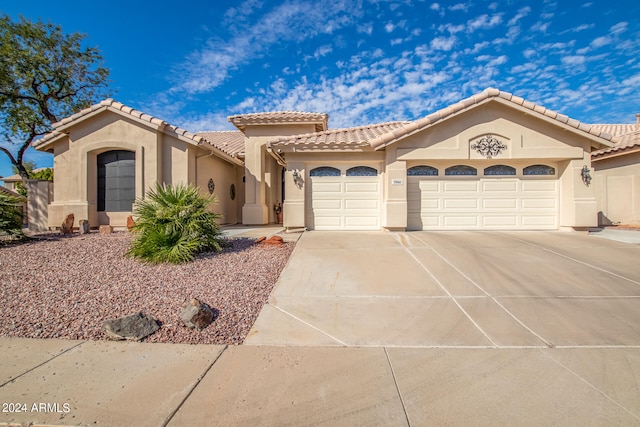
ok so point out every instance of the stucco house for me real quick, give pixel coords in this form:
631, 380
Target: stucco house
492, 161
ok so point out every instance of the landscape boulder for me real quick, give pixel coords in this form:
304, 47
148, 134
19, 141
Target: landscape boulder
67, 224
197, 315
133, 327
83, 226
273, 240
106, 229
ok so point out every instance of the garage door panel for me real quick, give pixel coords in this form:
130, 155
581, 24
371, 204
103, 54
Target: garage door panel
461, 204
461, 221
354, 222
327, 221
539, 221
361, 187
504, 186
530, 186
539, 203
505, 203
502, 221
366, 204
326, 204
456, 186
429, 186
320, 187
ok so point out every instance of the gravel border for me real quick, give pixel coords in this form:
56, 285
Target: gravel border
65, 287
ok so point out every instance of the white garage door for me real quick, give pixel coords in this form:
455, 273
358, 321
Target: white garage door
344, 199
483, 202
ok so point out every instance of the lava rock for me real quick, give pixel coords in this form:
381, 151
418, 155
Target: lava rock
133, 328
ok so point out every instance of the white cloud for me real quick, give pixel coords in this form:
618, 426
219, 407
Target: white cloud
574, 60
290, 22
522, 12
443, 43
483, 22
396, 41
600, 41
460, 6
435, 6
619, 28
389, 27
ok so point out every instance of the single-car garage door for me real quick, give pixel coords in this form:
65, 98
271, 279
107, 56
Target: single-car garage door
344, 199
501, 198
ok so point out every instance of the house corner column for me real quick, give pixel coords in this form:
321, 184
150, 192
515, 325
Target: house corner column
395, 190
579, 206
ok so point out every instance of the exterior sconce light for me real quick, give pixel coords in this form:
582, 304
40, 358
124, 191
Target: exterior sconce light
585, 173
297, 178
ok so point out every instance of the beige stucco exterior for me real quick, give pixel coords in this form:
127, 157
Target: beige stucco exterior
161, 155
617, 187
279, 150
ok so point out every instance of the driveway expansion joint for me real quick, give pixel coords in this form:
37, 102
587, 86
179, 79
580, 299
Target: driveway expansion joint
42, 364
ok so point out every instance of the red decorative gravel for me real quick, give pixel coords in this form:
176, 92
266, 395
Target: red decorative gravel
65, 287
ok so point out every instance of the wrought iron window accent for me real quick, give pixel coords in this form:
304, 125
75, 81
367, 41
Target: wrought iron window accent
232, 192
489, 146
500, 170
362, 171
460, 170
422, 170
539, 170
211, 185
324, 171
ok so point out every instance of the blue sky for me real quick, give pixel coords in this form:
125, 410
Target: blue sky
193, 63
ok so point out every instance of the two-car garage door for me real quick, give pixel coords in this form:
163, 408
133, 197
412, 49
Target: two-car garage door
524, 201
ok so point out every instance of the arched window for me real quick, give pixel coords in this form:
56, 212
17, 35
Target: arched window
116, 181
422, 170
361, 171
324, 171
460, 170
539, 170
500, 170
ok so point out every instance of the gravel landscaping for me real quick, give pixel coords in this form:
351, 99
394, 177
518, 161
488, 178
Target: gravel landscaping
65, 287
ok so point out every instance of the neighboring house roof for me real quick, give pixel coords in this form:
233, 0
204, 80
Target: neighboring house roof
230, 140
121, 109
320, 120
17, 177
489, 95
343, 139
626, 139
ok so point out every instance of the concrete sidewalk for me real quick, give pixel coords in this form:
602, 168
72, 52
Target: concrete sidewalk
57, 382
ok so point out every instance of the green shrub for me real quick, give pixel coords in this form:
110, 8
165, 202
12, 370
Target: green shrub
10, 216
173, 224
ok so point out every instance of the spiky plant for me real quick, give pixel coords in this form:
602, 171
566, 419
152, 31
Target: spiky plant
10, 216
173, 224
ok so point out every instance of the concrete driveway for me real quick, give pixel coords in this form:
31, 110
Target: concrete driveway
455, 289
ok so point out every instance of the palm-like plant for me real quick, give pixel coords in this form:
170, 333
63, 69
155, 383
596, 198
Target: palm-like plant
173, 223
10, 216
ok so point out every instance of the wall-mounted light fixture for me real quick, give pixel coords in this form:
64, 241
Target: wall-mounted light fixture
297, 178
585, 173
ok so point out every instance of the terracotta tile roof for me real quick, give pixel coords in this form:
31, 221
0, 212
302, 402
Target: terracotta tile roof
346, 138
480, 98
231, 141
119, 108
280, 117
626, 138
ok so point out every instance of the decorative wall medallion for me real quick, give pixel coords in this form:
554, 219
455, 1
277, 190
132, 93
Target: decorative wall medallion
232, 192
489, 146
211, 186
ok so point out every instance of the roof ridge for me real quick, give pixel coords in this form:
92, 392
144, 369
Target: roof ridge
467, 103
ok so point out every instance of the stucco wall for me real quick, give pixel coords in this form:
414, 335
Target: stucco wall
223, 175
159, 157
617, 186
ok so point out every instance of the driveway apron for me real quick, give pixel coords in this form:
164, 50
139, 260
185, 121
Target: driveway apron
454, 289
